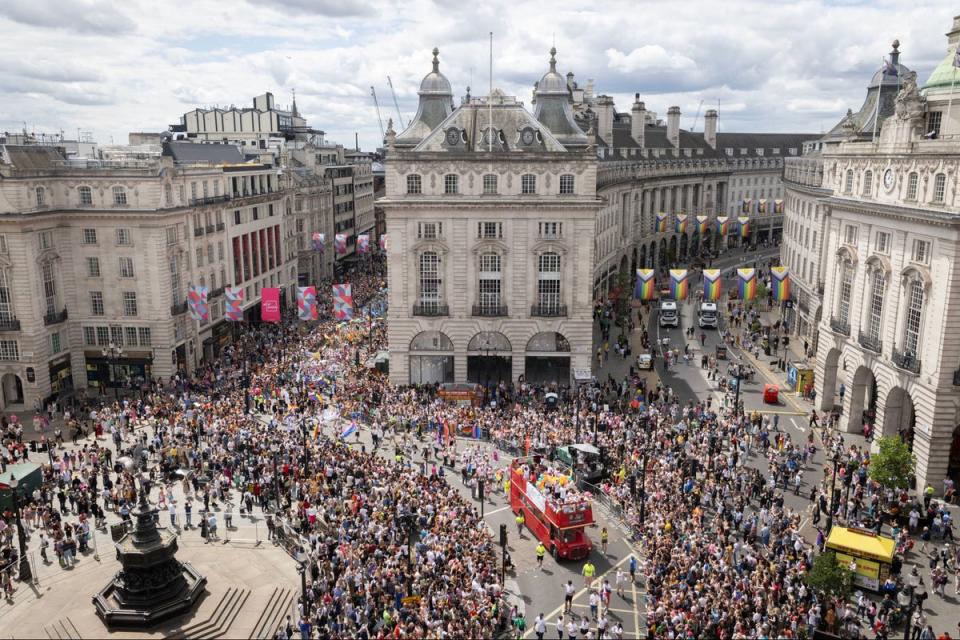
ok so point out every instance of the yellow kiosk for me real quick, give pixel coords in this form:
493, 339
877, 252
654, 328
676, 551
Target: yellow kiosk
872, 554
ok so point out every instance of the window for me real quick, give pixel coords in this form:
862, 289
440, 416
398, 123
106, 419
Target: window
236, 217
548, 282
451, 184
119, 196
49, 288
96, 303
882, 245
848, 185
550, 229
911, 338
55, 346
878, 283
144, 336
528, 184
430, 279
867, 183
921, 251
86, 195
93, 267
45, 239
89, 336
850, 234
172, 235
490, 230
199, 256
939, 187
429, 230
489, 184
210, 253
130, 335
490, 280
933, 123
846, 292
39, 192
168, 194
129, 303
6, 299
912, 186
126, 267
103, 336
89, 236
123, 236
220, 250
566, 184
116, 336
9, 350
414, 184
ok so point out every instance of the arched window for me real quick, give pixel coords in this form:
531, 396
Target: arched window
490, 281
86, 195
848, 186
490, 184
528, 184
414, 184
40, 196
548, 285
566, 184
845, 293
912, 186
914, 319
939, 187
867, 183
119, 196
430, 291
878, 284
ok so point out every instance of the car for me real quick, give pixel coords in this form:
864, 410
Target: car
645, 361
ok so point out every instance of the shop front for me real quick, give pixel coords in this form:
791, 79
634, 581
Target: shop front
61, 376
129, 371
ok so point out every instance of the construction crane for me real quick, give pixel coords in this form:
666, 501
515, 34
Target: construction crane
373, 92
396, 104
696, 117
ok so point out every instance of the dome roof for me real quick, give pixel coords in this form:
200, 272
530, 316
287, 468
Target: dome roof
552, 83
435, 83
885, 74
943, 77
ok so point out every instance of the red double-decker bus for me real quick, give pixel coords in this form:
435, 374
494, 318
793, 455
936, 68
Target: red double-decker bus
561, 526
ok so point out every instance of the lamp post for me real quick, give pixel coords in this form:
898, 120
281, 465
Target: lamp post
303, 588
276, 478
643, 490
833, 493
113, 352
576, 414
24, 572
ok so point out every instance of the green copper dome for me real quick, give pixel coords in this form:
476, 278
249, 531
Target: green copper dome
943, 76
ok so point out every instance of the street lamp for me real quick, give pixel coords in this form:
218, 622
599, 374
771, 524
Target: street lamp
738, 376
24, 573
113, 352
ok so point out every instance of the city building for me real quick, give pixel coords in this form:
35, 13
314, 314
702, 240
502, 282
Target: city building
886, 351
490, 214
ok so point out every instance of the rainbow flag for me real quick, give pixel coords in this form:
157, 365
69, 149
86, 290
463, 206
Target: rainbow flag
679, 285
646, 288
747, 205
680, 223
761, 206
703, 224
711, 284
723, 226
661, 222
778, 206
747, 281
780, 283
744, 226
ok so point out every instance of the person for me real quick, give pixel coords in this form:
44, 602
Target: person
520, 521
588, 572
540, 626
520, 624
604, 539
187, 512
814, 420
559, 626
620, 580
594, 604
633, 569
541, 551
568, 592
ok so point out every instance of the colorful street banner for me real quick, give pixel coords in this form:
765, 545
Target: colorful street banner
680, 223
761, 206
780, 283
646, 287
233, 304
711, 284
778, 206
342, 301
744, 222
270, 304
661, 222
307, 303
723, 225
197, 303
383, 242
679, 284
363, 243
340, 243
747, 283
747, 204
703, 224
318, 241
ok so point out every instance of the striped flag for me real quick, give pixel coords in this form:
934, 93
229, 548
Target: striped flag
679, 285
744, 226
703, 224
349, 430
723, 227
780, 281
747, 283
711, 284
645, 288
680, 223
661, 222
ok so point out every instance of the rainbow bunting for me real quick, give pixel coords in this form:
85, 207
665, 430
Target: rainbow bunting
711, 284
679, 285
744, 222
680, 223
723, 225
661, 222
780, 283
747, 281
703, 224
645, 288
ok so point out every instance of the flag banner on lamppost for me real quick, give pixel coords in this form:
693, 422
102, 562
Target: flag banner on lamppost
197, 303
645, 288
703, 224
233, 304
680, 223
746, 205
744, 222
363, 243
780, 283
307, 303
723, 225
270, 304
342, 301
318, 241
712, 279
747, 283
679, 284
778, 206
662, 222
340, 243
761, 206
383, 242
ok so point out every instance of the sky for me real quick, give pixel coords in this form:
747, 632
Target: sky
109, 68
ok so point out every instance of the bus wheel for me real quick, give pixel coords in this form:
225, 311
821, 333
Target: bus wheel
554, 553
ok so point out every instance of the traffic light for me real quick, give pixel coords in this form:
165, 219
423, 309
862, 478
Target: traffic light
503, 535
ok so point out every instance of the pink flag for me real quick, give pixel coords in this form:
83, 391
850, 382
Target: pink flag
270, 304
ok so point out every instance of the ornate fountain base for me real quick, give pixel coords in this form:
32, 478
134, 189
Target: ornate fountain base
179, 586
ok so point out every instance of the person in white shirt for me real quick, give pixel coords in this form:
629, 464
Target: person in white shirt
540, 627
559, 626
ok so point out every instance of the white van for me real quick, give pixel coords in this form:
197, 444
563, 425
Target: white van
707, 315
669, 317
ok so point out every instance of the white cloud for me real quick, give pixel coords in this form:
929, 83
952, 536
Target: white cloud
650, 58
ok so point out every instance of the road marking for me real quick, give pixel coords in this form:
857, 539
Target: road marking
636, 608
490, 513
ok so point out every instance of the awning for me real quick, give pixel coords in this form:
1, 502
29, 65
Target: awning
852, 541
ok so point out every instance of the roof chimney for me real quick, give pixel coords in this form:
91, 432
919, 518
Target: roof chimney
673, 126
710, 128
638, 121
604, 109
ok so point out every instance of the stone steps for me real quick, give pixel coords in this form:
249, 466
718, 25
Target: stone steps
280, 602
220, 620
62, 629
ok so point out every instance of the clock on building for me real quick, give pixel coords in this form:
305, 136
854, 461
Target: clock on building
453, 136
888, 179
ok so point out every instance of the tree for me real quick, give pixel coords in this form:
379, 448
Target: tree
829, 577
894, 465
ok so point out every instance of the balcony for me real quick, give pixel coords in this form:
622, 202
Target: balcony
431, 309
221, 226
870, 344
906, 361
197, 232
956, 378
549, 310
9, 324
55, 318
199, 202
490, 310
177, 309
209, 228
843, 328
215, 293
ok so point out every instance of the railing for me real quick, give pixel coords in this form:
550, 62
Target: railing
221, 226
199, 202
55, 318
549, 310
216, 293
431, 309
177, 309
197, 232
10, 324
210, 228
840, 327
870, 344
906, 361
956, 378
489, 311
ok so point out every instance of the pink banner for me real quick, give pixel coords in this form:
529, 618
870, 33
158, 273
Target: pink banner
270, 304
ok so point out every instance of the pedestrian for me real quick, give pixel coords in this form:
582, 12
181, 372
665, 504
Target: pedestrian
187, 513
540, 626
588, 572
604, 539
541, 551
568, 592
